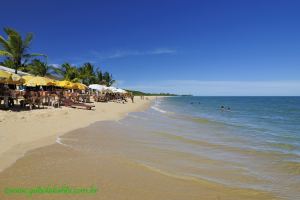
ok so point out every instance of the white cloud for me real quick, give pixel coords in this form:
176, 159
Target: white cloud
163, 51
222, 88
126, 53
55, 65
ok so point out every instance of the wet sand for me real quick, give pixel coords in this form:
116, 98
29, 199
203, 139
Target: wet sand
26, 130
103, 165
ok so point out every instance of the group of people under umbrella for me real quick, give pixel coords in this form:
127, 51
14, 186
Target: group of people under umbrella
35, 91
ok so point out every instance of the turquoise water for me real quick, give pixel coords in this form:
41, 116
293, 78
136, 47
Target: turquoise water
271, 123
254, 144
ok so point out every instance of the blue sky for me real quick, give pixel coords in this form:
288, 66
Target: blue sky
242, 47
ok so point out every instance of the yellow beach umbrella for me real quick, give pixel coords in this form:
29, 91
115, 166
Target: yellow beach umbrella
81, 86
72, 86
17, 78
39, 81
27, 77
62, 84
66, 84
4, 76
9, 78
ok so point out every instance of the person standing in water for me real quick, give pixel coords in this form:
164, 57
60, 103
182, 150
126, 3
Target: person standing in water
222, 108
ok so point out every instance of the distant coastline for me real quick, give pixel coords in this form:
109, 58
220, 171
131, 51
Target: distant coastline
139, 93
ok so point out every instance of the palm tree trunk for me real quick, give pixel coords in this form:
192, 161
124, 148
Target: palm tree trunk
17, 65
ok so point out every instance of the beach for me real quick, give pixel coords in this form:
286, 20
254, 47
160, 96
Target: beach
95, 153
26, 130
150, 100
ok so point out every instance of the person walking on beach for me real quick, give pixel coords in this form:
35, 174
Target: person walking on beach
132, 97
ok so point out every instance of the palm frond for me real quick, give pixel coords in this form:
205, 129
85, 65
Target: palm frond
5, 53
4, 43
30, 55
15, 45
28, 40
10, 31
16, 48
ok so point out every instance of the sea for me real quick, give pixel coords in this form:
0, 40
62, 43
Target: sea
244, 142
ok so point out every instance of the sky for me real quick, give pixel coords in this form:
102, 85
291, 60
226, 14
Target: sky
209, 47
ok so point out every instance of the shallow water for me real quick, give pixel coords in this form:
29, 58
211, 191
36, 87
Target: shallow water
255, 144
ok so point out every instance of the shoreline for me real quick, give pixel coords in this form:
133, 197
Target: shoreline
41, 127
115, 176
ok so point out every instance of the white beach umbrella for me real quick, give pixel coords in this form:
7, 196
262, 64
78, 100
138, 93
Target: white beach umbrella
121, 91
116, 90
97, 87
112, 89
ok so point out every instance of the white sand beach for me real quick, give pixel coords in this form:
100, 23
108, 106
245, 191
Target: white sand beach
26, 130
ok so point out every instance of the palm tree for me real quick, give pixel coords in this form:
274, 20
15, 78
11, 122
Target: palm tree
38, 68
99, 77
68, 72
108, 79
7, 63
87, 74
15, 49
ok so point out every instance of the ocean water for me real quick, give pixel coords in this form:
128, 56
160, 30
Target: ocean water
255, 144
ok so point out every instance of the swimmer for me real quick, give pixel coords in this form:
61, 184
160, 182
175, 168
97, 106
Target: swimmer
222, 108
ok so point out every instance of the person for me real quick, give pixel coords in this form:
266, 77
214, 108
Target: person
132, 97
222, 108
8, 100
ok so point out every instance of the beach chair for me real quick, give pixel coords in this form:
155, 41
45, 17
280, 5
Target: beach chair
72, 104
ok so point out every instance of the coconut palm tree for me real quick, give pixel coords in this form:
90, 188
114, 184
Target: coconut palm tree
68, 72
7, 63
87, 74
108, 79
15, 48
99, 77
39, 68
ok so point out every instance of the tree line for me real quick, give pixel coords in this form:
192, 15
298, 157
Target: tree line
15, 51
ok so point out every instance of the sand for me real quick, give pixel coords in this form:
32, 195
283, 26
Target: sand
26, 130
47, 163
115, 178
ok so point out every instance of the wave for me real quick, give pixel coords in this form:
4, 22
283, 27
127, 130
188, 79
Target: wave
215, 122
200, 120
202, 179
137, 117
158, 109
242, 150
169, 174
59, 141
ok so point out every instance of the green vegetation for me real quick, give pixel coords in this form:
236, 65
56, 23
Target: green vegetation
14, 49
39, 68
139, 93
86, 74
